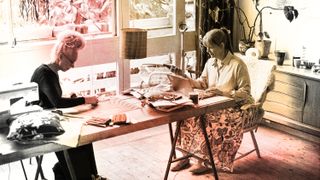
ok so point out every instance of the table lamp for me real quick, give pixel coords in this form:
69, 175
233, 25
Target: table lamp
133, 45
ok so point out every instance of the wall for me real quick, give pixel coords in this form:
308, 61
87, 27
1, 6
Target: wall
17, 64
303, 31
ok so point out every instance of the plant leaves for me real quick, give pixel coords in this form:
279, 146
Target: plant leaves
290, 16
260, 34
296, 13
286, 9
288, 12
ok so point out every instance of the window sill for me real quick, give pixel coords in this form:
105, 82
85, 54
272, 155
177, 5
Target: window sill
32, 44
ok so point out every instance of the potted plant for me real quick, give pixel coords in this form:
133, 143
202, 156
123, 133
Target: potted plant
262, 43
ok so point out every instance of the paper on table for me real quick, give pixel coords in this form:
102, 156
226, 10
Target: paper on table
168, 106
73, 126
213, 100
72, 129
180, 84
166, 103
114, 105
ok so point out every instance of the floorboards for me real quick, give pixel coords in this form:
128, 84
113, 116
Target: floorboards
143, 156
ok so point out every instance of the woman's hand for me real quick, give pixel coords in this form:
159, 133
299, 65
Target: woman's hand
213, 91
91, 100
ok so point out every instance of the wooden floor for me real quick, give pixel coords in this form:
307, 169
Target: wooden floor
143, 156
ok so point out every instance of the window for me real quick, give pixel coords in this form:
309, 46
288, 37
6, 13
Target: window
138, 78
190, 15
90, 80
156, 16
37, 19
98, 68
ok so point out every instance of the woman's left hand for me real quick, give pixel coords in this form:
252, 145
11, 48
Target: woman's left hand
214, 91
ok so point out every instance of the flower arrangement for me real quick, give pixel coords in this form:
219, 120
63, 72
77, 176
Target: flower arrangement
289, 11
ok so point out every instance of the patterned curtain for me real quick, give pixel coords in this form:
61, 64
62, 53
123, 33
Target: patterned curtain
211, 14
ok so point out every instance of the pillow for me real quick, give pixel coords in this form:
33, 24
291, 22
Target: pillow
32, 126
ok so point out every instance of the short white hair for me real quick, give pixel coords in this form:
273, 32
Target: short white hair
67, 39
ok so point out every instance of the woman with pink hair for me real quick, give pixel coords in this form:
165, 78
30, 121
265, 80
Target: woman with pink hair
63, 57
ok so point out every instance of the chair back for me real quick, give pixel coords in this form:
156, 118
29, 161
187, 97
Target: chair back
261, 77
262, 81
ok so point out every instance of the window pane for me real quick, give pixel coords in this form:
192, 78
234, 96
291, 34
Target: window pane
3, 21
190, 62
140, 76
156, 16
190, 14
90, 80
43, 18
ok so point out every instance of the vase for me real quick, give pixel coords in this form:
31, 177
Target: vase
263, 47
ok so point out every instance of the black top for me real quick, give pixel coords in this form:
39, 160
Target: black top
50, 92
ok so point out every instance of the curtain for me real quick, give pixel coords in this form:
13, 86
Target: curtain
211, 14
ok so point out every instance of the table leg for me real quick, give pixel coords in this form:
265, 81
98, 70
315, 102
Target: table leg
69, 164
205, 134
171, 138
24, 170
173, 148
39, 168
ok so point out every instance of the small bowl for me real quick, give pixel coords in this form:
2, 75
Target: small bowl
308, 65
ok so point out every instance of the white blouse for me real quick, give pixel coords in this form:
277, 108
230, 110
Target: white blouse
229, 75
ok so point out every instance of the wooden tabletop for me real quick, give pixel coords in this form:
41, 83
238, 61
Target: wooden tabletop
147, 117
141, 118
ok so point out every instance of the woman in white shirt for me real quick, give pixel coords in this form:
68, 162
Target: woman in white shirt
224, 74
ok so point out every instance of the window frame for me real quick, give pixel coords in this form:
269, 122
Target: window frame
37, 51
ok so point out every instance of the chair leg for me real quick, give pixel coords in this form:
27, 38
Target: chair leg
255, 143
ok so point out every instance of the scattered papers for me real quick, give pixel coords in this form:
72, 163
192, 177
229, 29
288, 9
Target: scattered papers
170, 105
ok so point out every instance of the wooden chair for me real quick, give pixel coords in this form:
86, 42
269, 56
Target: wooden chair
262, 80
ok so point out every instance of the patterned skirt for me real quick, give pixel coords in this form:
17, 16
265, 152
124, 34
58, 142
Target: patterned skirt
225, 132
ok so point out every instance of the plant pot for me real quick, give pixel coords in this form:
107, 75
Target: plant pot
244, 46
263, 47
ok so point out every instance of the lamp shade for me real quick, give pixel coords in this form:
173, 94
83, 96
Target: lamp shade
133, 43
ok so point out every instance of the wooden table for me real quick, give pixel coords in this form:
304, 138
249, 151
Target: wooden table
143, 118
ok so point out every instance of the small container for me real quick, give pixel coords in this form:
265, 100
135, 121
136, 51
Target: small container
194, 96
296, 61
280, 57
308, 65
